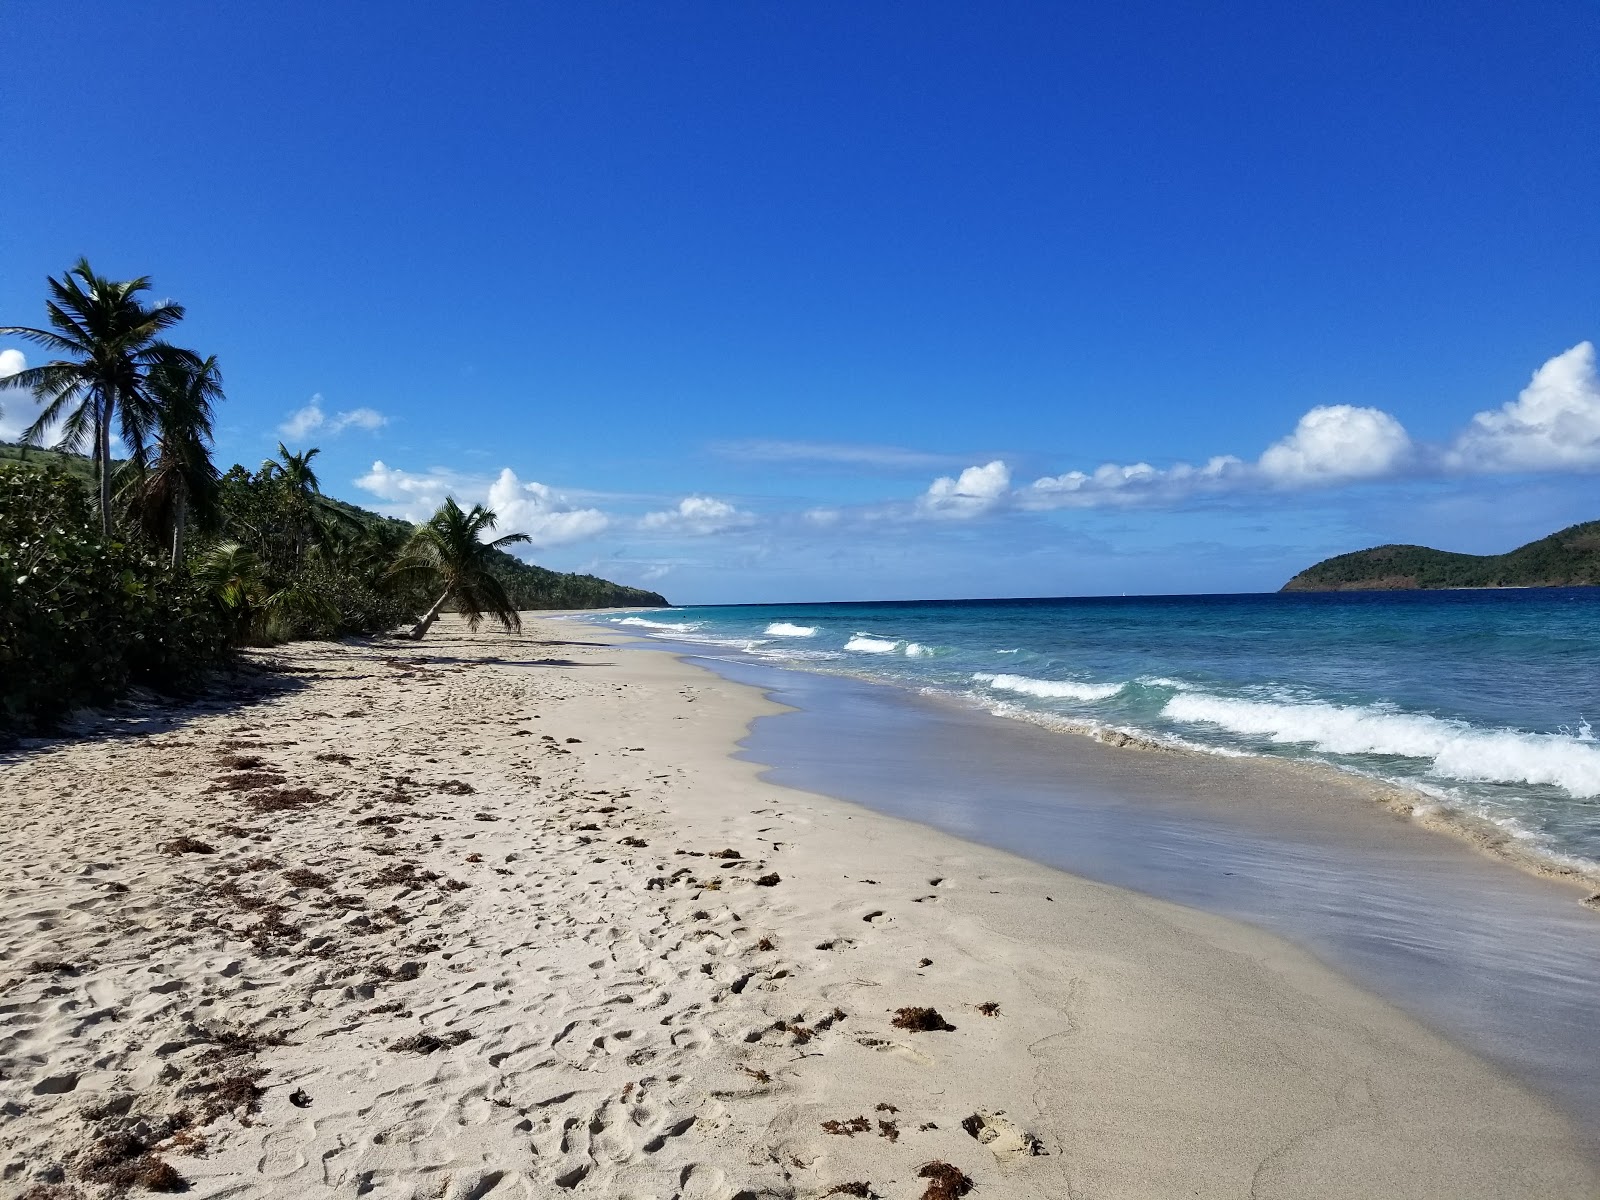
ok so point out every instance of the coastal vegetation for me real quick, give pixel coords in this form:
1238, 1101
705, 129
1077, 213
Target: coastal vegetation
1568, 558
449, 552
149, 569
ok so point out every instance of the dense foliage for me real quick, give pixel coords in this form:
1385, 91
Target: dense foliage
146, 570
1570, 558
531, 587
83, 618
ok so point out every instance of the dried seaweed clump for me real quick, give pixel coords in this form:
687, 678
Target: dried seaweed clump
245, 781
122, 1161
306, 877
920, 1020
285, 799
427, 1043
233, 1095
772, 880
188, 845
989, 1008
457, 787
847, 1128
944, 1181
855, 1187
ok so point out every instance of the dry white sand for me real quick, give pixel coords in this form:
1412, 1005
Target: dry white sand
492, 951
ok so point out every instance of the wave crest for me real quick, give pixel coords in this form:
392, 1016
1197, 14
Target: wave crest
1049, 689
784, 629
1455, 749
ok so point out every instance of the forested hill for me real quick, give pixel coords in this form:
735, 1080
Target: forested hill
1570, 558
529, 587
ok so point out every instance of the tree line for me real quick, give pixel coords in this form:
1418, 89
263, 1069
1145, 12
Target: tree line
158, 570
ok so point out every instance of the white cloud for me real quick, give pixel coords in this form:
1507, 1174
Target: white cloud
696, 516
544, 514
413, 495
1112, 484
312, 419
1335, 443
976, 491
541, 513
1553, 425
17, 407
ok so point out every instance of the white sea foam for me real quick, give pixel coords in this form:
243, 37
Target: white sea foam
1454, 749
676, 627
784, 629
1048, 689
913, 650
867, 644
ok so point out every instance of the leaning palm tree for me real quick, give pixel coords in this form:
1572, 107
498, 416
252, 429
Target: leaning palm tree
449, 552
107, 339
180, 481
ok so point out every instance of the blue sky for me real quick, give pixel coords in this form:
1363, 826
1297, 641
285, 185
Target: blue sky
730, 288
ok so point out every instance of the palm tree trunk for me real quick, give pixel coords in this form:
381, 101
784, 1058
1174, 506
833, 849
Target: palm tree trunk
179, 517
102, 453
427, 621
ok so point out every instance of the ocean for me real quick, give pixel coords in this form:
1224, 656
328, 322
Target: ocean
1477, 701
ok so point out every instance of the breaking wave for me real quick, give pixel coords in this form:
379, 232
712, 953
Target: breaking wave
1049, 689
1455, 749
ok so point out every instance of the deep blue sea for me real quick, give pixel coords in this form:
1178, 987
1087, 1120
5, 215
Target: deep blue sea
1480, 700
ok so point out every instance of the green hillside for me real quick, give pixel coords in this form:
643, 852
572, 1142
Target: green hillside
529, 586
1570, 558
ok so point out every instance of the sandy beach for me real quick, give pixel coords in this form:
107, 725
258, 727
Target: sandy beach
498, 916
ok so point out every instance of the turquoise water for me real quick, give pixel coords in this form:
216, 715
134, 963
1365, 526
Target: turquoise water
1480, 701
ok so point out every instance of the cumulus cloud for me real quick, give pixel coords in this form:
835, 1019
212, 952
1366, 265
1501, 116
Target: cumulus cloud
17, 409
696, 516
1112, 484
1553, 425
541, 512
1335, 443
312, 419
976, 491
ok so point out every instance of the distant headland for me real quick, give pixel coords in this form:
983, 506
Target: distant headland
1570, 558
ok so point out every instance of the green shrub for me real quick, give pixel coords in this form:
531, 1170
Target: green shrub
81, 620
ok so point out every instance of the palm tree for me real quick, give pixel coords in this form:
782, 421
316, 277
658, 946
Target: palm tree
181, 481
310, 512
108, 340
234, 576
449, 551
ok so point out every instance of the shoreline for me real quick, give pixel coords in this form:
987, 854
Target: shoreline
557, 1010
1395, 798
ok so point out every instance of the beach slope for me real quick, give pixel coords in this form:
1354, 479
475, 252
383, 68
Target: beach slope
498, 916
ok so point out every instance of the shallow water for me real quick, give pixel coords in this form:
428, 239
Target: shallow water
1479, 700
1501, 962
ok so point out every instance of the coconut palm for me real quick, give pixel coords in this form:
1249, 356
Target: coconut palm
180, 481
234, 576
311, 514
108, 340
450, 553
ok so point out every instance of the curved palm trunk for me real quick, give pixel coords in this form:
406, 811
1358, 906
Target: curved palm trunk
429, 618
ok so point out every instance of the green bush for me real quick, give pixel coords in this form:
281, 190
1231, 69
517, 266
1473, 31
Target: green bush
81, 620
